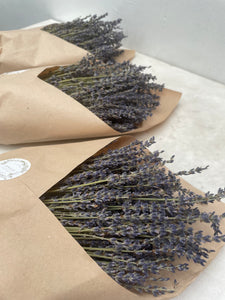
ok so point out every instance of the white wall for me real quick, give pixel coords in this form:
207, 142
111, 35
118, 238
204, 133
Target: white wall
187, 33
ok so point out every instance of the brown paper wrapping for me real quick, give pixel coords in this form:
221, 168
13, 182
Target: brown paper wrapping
35, 111
25, 49
38, 257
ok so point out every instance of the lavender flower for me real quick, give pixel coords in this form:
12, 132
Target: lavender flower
102, 38
133, 217
119, 94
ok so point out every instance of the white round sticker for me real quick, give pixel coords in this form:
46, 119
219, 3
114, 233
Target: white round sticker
13, 167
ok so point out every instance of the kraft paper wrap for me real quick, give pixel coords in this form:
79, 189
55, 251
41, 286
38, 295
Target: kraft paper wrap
30, 48
32, 110
39, 260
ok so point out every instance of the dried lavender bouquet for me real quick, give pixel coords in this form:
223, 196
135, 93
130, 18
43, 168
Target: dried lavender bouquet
134, 218
92, 33
118, 93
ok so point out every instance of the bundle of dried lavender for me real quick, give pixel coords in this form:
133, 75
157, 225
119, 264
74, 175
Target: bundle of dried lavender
133, 217
102, 38
119, 94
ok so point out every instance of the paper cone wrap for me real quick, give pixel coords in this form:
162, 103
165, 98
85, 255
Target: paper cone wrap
32, 110
31, 48
39, 260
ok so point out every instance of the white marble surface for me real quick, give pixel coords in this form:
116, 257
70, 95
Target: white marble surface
195, 133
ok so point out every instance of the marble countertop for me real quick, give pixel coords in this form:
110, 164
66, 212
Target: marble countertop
195, 133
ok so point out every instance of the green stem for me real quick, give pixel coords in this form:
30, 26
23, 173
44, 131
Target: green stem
62, 200
99, 256
82, 78
106, 249
77, 218
49, 201
79, 185
112, 250
146, 289
77, 229
105, 257
88, 236
71, 201
73, 32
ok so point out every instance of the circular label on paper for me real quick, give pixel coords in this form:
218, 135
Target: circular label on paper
13, 167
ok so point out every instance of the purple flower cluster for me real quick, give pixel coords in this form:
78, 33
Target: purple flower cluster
102, 38
119, 94
133, 217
